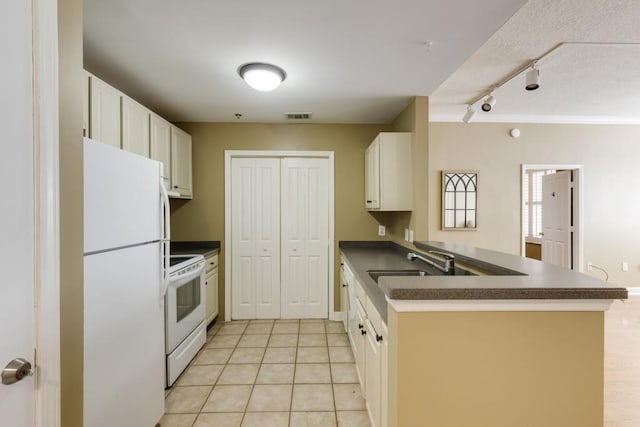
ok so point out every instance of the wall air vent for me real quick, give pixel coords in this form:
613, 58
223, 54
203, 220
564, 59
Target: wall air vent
298, 116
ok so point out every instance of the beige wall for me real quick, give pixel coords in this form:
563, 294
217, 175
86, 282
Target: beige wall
609, 154
203, 217
498, 369
71, 209
415, 119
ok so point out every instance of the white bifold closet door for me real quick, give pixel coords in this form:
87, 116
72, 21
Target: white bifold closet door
305, 237
255, 258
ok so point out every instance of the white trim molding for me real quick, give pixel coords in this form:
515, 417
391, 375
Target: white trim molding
403, 306
230, 154
47, 238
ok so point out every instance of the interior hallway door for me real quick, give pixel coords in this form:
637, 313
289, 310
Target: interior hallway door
255, 231
305, 237
17, 219
556, 219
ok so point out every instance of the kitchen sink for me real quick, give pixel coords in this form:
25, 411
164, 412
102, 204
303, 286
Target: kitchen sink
376, 274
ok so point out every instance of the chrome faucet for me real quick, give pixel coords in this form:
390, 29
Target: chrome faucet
449, 260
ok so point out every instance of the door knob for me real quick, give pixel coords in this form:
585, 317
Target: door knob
16, 370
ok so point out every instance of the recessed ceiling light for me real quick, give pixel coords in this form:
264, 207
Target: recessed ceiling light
262, 77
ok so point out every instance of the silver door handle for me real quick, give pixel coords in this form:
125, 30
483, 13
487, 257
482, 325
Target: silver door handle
16, 370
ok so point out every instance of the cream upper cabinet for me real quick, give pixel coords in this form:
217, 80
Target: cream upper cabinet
85, 103
135, 127
160, 145
181, 163
389, 173
104, 110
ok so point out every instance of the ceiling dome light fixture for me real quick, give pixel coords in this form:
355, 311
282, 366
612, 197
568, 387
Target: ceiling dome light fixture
533, 79
488, 103
261, 76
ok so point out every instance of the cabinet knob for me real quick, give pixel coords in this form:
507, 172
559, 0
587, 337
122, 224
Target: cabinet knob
378, 337
360, 326
344, 286
175, 186
363, 332
369, 201
206, 283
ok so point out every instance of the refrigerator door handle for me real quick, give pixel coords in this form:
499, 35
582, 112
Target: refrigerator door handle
166, 240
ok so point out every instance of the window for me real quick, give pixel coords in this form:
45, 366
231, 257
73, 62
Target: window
532, 194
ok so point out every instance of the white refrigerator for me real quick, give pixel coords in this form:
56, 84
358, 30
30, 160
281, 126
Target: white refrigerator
125, 272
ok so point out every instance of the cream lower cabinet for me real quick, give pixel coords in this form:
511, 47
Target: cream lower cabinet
369, 344
211, 287
361, 347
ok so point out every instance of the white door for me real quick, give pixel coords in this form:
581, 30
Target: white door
160, 145
181, 176
556, 219
305, 237
255, 235
17, 232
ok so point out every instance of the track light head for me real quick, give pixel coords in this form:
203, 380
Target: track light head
533, 79
488, 103
469, 114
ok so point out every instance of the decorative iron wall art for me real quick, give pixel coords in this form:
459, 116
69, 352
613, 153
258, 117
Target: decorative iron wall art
459, 200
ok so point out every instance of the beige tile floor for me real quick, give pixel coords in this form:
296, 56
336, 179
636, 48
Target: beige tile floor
297, 373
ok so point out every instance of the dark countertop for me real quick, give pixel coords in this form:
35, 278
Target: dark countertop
512, 277
203, 247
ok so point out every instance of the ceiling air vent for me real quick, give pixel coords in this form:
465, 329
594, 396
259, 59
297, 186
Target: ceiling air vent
298, 116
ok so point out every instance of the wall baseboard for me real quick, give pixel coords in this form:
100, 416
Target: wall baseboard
336, 316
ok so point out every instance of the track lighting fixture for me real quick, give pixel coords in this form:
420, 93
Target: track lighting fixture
488, 103
469, 115
533, 79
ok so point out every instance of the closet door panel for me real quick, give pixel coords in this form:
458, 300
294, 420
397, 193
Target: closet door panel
317, 237
267, 218
293, 262
305, 237
244, 236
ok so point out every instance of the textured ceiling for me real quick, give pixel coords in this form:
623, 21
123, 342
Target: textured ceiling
578, 83
355, 61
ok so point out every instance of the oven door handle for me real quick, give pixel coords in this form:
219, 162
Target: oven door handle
176, 282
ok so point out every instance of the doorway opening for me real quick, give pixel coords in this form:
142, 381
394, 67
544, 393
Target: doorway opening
551, 214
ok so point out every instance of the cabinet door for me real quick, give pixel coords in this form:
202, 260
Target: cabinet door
372, 175
372, 369
181, 162
360, 348
344, 296
85, 103
104, 112
160, 145
135, 127
211, 288
384, 381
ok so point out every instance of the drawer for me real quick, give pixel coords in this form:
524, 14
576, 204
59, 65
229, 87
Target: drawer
374, 316
211, 263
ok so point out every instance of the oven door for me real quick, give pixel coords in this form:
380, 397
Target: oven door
184, 307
